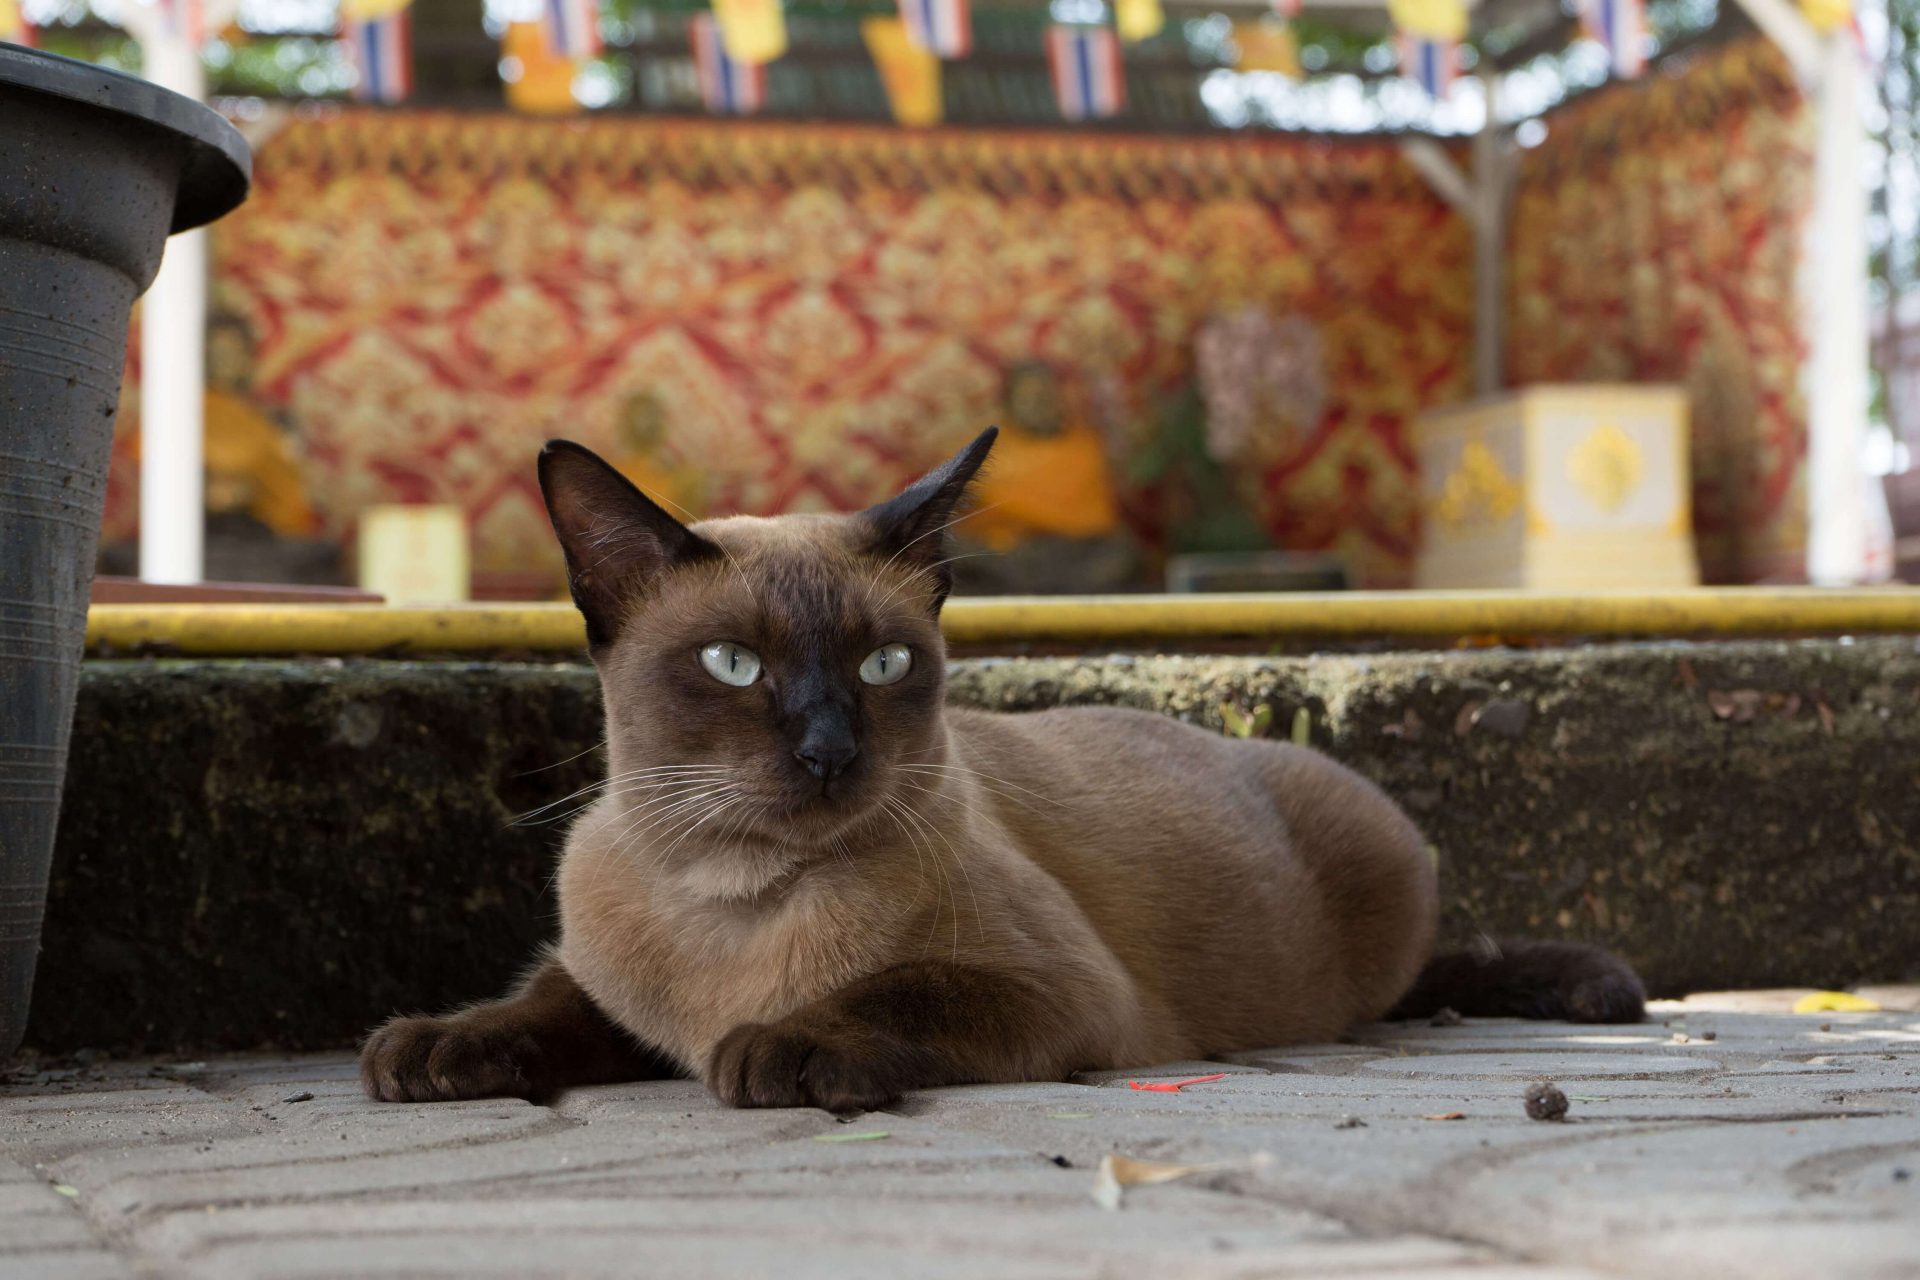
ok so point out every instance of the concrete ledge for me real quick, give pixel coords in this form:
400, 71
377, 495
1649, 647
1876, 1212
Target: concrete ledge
264, 852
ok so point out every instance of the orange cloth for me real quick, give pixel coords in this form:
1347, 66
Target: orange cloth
241, 441
544, 86
1035, 486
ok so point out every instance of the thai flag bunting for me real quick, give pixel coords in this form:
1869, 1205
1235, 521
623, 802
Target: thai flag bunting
185, 18
572, 27
381, 50
727, 87
1087, 78
1620, 27
14, 27
943, 28
1434, 63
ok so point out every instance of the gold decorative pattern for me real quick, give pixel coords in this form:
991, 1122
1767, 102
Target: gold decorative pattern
1606, 466
1478, 490
820, 313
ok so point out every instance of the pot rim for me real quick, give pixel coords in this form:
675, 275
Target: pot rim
219, 166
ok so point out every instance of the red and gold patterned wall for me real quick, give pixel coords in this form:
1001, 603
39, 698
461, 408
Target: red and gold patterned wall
821, 312
1656, 238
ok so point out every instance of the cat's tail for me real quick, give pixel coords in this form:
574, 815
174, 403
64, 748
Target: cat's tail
1567, 980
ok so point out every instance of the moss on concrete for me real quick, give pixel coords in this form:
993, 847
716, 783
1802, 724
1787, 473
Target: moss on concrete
280, 852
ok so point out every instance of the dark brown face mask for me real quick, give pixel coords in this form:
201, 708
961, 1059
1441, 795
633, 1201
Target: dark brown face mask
799, 656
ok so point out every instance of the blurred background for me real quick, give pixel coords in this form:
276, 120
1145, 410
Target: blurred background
1265, 297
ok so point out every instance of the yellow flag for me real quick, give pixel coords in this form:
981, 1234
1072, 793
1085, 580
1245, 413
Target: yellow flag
1826, 15
1138, 20
544, 83
371, 10
910, 74
753, 32
1267, 46
1429, 19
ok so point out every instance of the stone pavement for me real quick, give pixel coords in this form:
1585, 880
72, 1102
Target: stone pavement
1710, 1141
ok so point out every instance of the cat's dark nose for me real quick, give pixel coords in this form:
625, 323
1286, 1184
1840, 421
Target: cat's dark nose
826, 755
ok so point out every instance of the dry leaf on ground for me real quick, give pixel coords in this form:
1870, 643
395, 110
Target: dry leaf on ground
1835, 1002
1117, 1173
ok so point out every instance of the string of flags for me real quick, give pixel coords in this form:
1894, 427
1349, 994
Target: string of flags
379, 38
185, 18
1088, 80
733, 44
1619, 27
572, 28
909, 70
944, 28
14, 27
728, 86
1432, 64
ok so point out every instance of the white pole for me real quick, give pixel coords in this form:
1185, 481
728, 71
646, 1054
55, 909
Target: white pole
1833, 293
173, 324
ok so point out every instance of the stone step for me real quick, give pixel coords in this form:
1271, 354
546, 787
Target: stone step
283, 852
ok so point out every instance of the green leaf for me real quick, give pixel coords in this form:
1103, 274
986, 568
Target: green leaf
864, 1135
1302, 727
1235, 720
70, 1192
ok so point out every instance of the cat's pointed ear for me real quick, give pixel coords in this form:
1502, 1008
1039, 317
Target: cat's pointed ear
911, 529
617, 540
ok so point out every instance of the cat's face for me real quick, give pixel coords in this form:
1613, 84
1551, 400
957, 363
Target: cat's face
767, 680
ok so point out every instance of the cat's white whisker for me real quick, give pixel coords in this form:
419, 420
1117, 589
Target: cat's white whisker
628, 788
960, 865
605, 783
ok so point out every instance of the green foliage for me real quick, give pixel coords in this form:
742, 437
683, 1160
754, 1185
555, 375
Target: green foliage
1241, 725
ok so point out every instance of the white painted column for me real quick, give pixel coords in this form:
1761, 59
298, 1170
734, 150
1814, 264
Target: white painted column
1833, 293
173, 328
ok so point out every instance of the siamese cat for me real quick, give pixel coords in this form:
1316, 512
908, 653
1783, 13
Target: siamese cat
808, 882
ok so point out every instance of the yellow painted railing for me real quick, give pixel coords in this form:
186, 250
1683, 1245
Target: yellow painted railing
341, 629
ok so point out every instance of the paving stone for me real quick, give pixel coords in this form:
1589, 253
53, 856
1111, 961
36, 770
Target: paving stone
1532, 1066
1773, 1150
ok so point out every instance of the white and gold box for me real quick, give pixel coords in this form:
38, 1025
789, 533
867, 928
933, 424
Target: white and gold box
1557, 488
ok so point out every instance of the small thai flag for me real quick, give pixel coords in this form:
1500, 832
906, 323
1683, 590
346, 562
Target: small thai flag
1434, 63
944, 28
14, 27
727, 87
572, 27
1620, 27
1087, 78
185, 18
381, 50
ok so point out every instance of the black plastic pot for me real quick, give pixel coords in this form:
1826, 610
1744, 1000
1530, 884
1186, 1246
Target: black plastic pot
96, 170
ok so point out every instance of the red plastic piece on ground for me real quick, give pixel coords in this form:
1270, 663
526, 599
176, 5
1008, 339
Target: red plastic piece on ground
1172, 1086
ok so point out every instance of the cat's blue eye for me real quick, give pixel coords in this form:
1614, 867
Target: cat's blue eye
731, 663
887, 664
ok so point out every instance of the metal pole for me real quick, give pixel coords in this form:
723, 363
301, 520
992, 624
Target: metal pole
1489, 222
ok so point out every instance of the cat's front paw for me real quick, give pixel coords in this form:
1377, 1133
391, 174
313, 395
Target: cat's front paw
790, 1065
441, 1060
